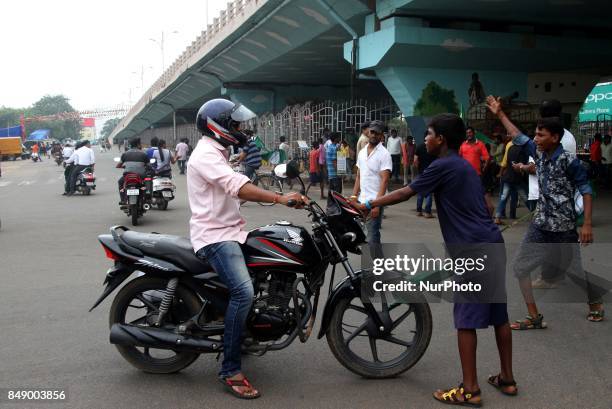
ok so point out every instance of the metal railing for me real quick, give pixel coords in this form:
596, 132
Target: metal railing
308, 121
208, 38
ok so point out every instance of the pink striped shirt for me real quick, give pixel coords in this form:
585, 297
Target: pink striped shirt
212, 188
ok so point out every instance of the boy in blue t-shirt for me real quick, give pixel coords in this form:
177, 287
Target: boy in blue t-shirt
466, 224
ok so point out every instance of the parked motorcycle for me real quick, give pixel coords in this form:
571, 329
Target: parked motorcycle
163, 319
86, 181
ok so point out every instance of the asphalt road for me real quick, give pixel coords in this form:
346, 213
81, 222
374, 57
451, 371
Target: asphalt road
52, 267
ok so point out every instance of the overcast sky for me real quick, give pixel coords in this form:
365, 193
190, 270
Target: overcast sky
92, 52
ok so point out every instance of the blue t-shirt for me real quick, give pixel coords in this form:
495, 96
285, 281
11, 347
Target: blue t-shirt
459, 196
150, 151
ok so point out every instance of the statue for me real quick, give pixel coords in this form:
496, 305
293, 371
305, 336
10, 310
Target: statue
476, 91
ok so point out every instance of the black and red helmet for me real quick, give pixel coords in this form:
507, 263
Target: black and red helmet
220, 120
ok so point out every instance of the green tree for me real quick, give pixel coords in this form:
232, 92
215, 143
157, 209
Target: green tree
436, 100
108, 127
10, 116
60, 128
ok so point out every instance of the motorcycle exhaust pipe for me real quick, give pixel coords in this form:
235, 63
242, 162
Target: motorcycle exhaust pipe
125, 334
146, 206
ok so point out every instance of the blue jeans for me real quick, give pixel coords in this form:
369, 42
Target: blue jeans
373, 226
427, 199
507, 192
513, 199
182, 164
227, 260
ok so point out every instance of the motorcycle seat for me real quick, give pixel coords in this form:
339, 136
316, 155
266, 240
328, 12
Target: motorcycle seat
175, 249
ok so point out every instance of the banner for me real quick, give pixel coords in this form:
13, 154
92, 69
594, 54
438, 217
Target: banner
597, 103
88, 122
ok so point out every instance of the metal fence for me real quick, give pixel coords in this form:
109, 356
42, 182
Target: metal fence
303, 122
307, 122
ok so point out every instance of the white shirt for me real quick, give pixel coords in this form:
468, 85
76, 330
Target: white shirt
606, 153
369, 170
394, 145
67, 151
72, 158
534, 189
181, 150
568, 142
85, 156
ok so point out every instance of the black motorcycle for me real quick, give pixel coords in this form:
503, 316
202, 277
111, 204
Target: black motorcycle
163, 319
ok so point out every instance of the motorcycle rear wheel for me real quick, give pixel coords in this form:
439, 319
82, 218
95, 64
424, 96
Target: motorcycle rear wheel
134, 213
163, 205
185, 305
378, 368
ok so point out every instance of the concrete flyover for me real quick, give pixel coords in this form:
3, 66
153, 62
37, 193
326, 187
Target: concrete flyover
269, 54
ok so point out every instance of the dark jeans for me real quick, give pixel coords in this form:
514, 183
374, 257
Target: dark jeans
397, 161
427, 199
73, 176
227, 260
182, 164
122, 195
67, 173
249, 171
558, 255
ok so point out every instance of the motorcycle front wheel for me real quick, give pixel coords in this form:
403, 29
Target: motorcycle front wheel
138, 304
354, 344
270, 183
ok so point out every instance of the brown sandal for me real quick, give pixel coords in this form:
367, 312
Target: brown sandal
500, 384
451, 397
246, 394
596, 315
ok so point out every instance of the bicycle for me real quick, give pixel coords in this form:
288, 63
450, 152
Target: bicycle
270, 182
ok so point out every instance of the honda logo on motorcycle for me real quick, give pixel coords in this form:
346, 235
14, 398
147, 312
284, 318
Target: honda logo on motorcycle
294, 237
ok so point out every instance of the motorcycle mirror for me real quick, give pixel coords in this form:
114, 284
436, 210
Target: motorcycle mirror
117, 160
281, 170
152, 160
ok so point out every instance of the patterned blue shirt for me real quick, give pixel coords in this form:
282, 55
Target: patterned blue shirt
331, 156
559, 175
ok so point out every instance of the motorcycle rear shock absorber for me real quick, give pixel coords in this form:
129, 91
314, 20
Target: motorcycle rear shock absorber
164, 307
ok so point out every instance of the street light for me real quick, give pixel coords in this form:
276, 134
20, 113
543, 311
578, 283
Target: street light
142, 70
160, 43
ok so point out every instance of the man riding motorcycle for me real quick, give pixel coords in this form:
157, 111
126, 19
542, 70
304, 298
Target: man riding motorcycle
132, 161
217, 228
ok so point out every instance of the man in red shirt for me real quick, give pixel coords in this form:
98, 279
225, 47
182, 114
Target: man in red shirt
313, 168
474, 151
